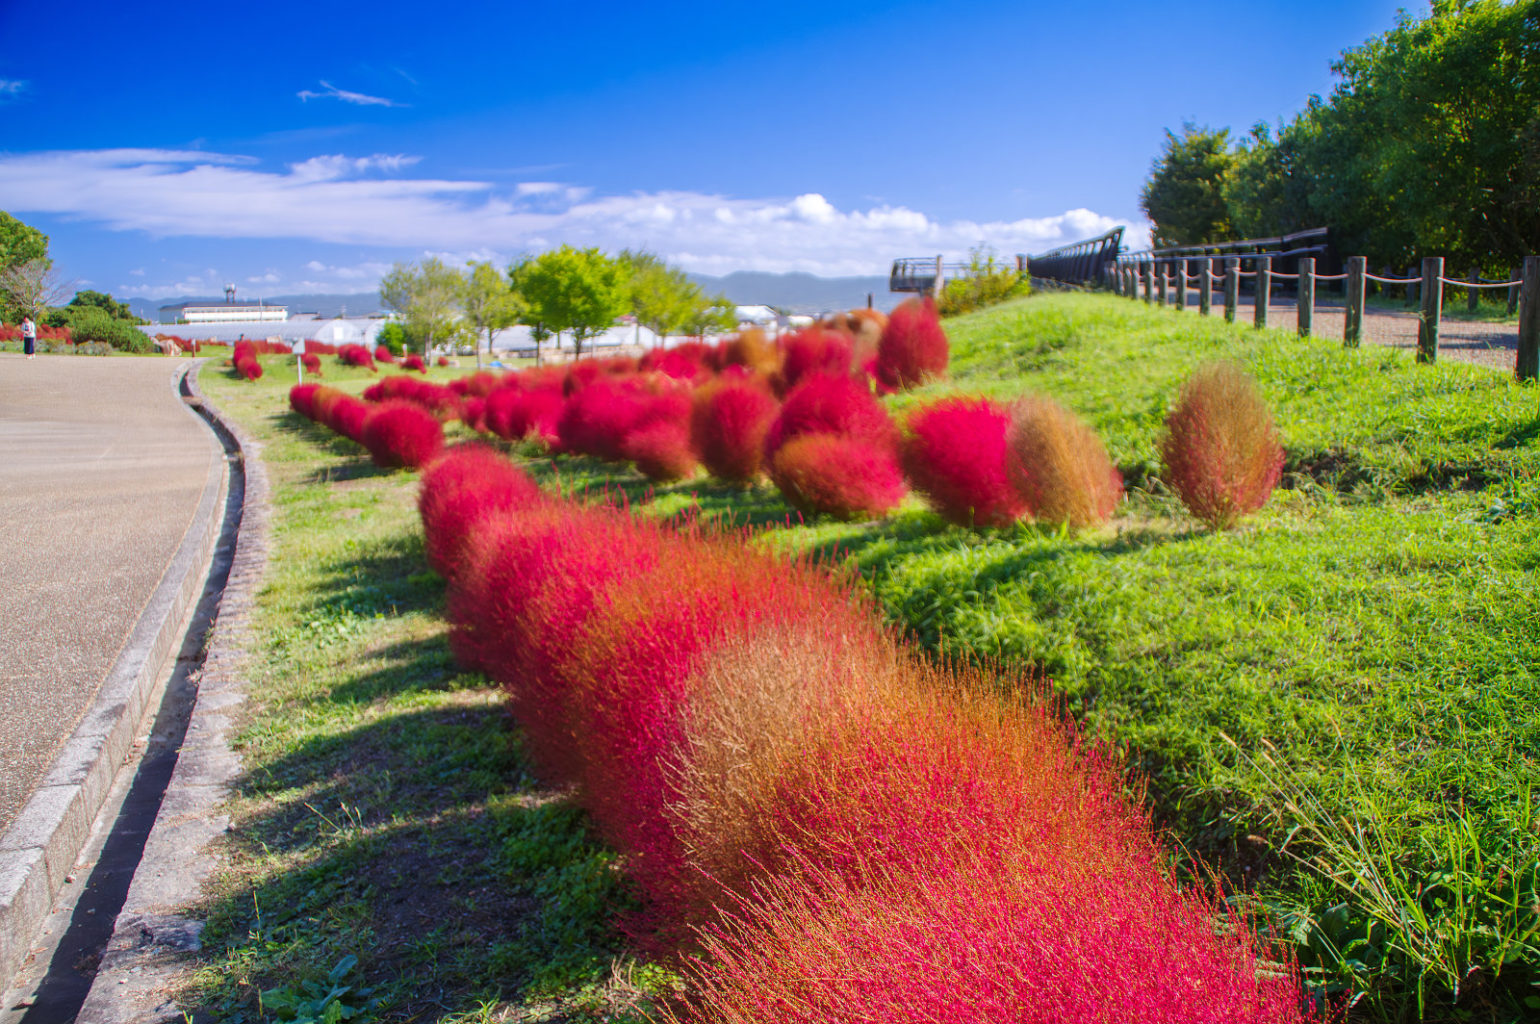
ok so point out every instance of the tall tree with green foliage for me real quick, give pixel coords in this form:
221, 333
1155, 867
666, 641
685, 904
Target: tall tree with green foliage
1184, 196
663, 297
103, 301
489, 302
428, 296
20, 243
576, 290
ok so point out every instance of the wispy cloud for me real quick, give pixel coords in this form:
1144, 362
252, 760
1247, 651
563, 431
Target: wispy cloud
331, 92
346, 200
12, 88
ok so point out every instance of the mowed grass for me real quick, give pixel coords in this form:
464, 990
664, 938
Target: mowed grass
390, 857
1336, 705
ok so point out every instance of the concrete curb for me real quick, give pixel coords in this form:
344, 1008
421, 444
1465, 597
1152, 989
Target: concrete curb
42, 844
152, 935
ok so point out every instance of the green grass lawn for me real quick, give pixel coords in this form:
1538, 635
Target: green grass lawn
1335, 706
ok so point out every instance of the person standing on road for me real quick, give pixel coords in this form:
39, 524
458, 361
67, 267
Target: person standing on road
28, 337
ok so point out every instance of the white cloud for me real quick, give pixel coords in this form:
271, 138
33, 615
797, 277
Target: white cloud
271, 277
336, 199
11, 88
331, 92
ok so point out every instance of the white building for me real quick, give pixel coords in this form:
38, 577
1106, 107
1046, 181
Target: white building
222, 313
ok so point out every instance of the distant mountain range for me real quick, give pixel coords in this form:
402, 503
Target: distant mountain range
789, 293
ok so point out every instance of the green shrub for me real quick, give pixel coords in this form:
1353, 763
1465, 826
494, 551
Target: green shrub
392, 336
989, 281
88, 323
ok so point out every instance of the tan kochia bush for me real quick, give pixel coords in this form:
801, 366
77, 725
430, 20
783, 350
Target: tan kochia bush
1221, 453
1058, 465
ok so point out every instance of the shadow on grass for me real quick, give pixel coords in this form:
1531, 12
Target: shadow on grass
419, 842
389, 580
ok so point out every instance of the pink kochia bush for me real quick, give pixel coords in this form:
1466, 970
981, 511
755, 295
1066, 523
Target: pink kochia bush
728, 424
954, 454
465, 485
1058, 465
848, 832
1221, 452
356, 355
914, 346
402, 433
814, 350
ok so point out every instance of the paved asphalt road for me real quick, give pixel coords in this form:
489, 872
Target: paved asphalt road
101, 470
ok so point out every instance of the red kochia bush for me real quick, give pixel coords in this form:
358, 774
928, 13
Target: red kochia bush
356, 355
384, 354
302, 399
841, 476
814, 350
1058, 465
401, 433
436, 398
661, 450
515, 414
414, 362
913, 346
1221, 452
831, 405
728, 424
460, 489
954, 454
311, 362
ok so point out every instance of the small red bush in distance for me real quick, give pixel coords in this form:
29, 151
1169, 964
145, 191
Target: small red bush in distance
831, 405
814, 350
913, 346
384, 354
515, 414
356, 355
844, 477
1221, 453
954, 454
728, 424
442, 360
414, 362
402, 433
1058, 465
311, 362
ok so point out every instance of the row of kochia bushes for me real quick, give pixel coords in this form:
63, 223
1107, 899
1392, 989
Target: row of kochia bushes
824, 826
803, 412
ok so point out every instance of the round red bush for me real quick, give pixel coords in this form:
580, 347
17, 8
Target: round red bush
832, 405
515, 414
401, 433
728, 424
814, 350
840, 476
954, 454
661, 450
913, 346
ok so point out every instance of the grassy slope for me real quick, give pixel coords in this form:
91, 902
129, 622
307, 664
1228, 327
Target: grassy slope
1378, 625
385, 812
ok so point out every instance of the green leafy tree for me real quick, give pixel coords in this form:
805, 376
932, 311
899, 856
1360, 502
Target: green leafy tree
20, 243
428, 297
663, 297
1184, 196
393, 336
716, 315
92, 323
490, 303
105, 302
576, 290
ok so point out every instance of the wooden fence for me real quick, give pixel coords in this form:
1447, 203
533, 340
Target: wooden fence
1169, 280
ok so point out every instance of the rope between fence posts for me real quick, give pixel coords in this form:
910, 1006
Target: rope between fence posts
1392, 280
1331, 277
1286, 277
1487, 284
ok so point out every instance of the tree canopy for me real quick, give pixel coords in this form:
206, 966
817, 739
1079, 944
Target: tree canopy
1428, 145
569, 289
489, 302
428, 297
20, 243
664, 298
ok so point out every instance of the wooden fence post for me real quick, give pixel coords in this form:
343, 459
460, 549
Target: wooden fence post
1181, 283
1527, 366
1353, 322
1264, 291
1473, 295
1411, 288
1232, 287
940, 284
1206, 285
1306, 305
1516, 276
1432, 309
1160, 284
1133, 282
1147, 271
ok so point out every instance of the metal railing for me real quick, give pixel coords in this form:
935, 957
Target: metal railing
1078, 262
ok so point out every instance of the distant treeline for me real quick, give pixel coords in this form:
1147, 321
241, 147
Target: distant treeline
1429, 145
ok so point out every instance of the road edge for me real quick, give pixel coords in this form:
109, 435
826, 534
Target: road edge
39, 849
152, 935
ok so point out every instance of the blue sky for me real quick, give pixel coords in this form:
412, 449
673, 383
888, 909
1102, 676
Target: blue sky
307, 146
